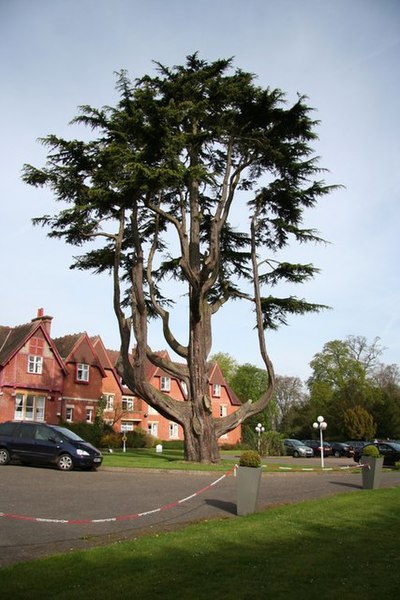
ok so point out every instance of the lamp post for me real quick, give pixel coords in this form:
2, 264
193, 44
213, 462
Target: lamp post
259, 430
321, 425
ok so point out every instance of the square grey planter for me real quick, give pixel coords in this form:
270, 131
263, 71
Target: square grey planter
247, 489
371, 472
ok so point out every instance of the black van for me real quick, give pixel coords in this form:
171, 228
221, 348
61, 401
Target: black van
46, 444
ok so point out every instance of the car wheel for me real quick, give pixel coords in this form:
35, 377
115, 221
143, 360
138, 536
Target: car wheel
64, 462
337, 454
4, 456
296, 454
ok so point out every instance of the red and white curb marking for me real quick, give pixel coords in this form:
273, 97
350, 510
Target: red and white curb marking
325, 468
121, 517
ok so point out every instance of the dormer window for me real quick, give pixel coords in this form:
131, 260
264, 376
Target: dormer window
82, 372
35, 364
165, 384
216, 390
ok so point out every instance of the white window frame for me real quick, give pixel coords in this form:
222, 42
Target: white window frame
69, 414
109, 398
216, 390
82, 372
223, 410
151, 410
173, 430
89, 414
127, 404
29, 407
165, 384
35, 364
152, 428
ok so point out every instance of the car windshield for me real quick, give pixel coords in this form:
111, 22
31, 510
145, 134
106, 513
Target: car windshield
68, 433
395, 446
297, 443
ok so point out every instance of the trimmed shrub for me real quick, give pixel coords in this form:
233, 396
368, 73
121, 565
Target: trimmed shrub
111, 440
250, 458
370, 451
139, 438
86, 431
173, 444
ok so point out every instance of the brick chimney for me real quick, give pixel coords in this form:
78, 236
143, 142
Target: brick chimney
46, 320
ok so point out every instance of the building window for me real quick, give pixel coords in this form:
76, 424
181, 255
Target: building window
216, 390
184, 388
152, 428
29, 407
165, 384
223, 410
35, 364
69, 414
82, 372
127, 404
151, 410
173, 430
109, 398
89, 415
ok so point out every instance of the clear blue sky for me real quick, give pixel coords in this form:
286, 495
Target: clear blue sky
343, 54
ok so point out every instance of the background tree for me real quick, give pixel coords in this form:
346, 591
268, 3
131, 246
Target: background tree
249, 383
288, 392
358, 424
227, 364
154, 190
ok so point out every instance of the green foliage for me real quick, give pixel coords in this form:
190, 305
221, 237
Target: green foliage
336, 366
173, 444
370, 451
198, 126
89, 432
139, 438
149, 197
249, 382
250, 458
271, 444
227, 364
111, 440
396, 466
358, 424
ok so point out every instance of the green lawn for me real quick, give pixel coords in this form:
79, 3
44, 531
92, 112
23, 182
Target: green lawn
144, 458
343, 547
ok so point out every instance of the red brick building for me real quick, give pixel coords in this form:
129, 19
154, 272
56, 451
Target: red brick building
64, 379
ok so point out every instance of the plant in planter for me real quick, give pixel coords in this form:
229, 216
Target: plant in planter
248, 482
372, 462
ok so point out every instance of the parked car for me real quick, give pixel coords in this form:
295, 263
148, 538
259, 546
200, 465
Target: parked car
315, 445
356, 443
389, 450
341, 449
46, 444
296, 448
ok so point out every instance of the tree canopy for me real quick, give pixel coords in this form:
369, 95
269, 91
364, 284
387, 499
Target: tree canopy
152, 193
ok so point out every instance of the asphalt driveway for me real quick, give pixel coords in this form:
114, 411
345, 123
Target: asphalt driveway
45, 511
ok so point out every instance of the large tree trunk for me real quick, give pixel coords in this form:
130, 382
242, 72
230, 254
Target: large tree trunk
201, 442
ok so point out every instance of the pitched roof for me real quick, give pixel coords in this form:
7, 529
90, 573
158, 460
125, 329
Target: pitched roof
12, 338
68, 345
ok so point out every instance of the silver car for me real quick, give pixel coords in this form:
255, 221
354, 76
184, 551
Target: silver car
296, 448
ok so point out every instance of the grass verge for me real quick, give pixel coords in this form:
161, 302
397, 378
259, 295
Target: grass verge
144, 458
342, 546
